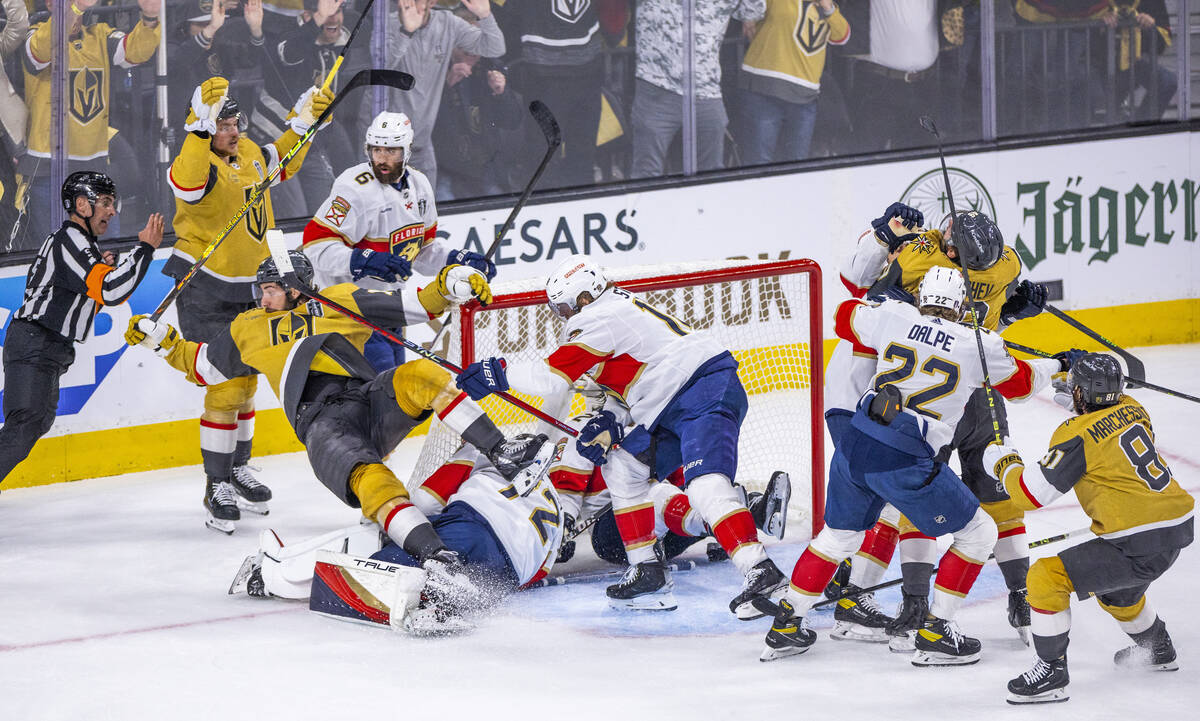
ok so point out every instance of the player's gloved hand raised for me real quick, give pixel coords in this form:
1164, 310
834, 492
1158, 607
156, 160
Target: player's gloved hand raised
893, 292
599, 435
308, 108
384, 266
1067, 358
1026, 301
207, 99
998, 458
474, 260
157, 336
454, 284
483, 378
890, 226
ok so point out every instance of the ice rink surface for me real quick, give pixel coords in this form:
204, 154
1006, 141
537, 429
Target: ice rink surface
113, 605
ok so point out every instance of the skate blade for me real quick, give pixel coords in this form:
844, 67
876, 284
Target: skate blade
243, 575
928, 659
1168, 666
257, 507
1057, 695
903, 644
774, 654
846, 631
1023, 632
779, 494
221, 525
649, 602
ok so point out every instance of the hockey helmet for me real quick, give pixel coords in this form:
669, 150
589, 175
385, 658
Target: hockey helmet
269, 273
577, 275
1099, 380
389, 130
977, 240
88, 183
943, 288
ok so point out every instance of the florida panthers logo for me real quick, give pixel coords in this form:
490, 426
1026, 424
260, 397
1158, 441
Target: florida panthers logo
87, 94
570, 11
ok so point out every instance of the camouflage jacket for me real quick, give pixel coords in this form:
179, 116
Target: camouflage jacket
660, 41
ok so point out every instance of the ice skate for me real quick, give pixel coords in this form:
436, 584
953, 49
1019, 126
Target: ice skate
645, 586
1159, 655
1018, 613
860, 618
252, 496
769, 508
764, 580
219, 501
789, 635
940, 643
1046, 682
841, 577
512, 455
910, 617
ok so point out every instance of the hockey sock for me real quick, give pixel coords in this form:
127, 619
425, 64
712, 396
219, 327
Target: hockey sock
218, 440
673, 507
245, 437
1139, 620
956, 575
817, 565
874, 555
1051, 632
1012, 546
716, 500
636, 526
918, 553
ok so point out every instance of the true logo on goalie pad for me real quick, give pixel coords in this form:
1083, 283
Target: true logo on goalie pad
364, 590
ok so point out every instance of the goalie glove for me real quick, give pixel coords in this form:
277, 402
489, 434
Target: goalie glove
158, 337
207, 101
308, 108
598, 436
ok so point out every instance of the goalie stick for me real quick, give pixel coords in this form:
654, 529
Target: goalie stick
391, 78
927, 123
676, 566
549, 127
1134, 382
897, 581
284, 264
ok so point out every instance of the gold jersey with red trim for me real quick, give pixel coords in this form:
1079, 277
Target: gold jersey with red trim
361, 212
933, 362
1109, 458
989, 287
208, 191
528, 526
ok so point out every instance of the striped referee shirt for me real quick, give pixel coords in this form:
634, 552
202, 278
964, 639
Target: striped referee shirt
69, 281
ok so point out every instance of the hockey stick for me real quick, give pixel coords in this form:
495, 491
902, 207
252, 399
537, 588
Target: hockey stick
549, 127
927, 123
1134, 382
284, 264
591, 521
1137, 369
897, 581
678, 566
392, 78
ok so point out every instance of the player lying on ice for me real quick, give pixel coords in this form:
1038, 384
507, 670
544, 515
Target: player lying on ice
347, 416
887, 454
684, 398
1140, 514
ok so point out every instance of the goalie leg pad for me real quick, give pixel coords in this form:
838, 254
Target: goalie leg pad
363, 590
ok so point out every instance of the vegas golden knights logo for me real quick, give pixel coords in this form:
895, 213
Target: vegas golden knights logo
87, 94
290, 327
811, 32
256, 217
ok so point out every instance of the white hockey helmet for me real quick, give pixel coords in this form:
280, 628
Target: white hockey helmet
390, 130
577, 275
943, 288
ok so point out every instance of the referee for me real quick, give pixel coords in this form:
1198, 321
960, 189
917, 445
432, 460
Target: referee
67, 283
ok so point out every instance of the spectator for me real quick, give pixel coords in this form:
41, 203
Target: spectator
420, 38
94, 50
781, 77
559, 46
12, 119
1143, 32
658, 91
477, 109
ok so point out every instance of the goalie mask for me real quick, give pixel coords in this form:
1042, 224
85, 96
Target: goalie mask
389, 130
942, 288
1096, 381
976, 239
269, 273
576, 276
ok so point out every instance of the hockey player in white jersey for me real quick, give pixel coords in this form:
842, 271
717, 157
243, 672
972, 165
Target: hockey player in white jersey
686, 406
379, 225
506, 533
927, 369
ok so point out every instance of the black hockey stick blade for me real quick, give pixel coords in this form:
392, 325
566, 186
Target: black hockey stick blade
373, 76
546, 122
1133, 382
1135, 369
928, 124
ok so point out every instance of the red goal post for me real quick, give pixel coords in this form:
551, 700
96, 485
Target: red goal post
769, 315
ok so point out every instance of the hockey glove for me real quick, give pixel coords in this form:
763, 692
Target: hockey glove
207, 100
566, 551
1026, 301
997, 459
308, 108
158, 337
599, 435
886, 229
454, 284
1062, 391
1067, 358
483, 378
893, 292
384, 266
474, 260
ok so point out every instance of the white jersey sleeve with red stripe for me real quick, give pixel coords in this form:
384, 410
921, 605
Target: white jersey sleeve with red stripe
865, 265
640, 353
933, 362
361, 212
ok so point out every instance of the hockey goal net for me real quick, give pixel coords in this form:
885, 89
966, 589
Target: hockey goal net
767, 313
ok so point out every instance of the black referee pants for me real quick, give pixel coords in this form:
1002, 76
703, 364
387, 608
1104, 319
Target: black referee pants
35, 357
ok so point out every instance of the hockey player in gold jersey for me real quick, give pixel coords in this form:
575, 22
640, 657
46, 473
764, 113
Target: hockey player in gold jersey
1140, 514
347, 416
214, 174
